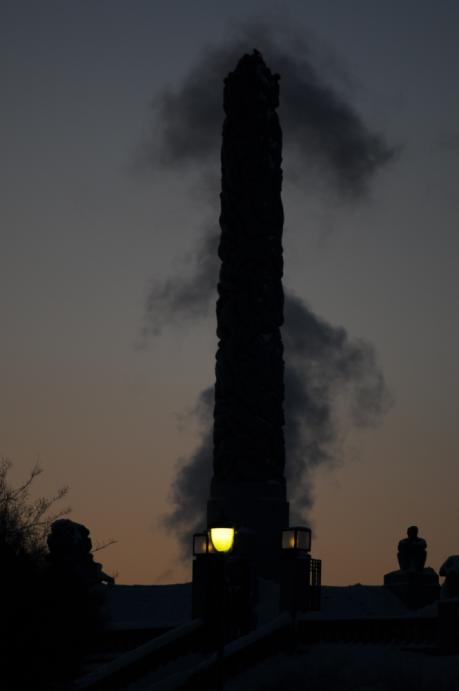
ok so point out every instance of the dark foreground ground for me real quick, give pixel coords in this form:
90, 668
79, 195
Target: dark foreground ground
321, 667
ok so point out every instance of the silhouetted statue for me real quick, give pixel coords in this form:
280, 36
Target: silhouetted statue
412, 551
70, 554
76, 594
248, 482
450, 571
414, 583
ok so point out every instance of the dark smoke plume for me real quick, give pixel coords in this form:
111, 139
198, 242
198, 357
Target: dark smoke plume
187, 297
326, 373
322, 134
327, 377
321, 129
190, 489
321, 365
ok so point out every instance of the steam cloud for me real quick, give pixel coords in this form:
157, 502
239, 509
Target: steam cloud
185, 297
324, 368
320, 128
322, 365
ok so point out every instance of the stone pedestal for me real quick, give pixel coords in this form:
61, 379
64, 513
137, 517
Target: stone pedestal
224, 595
260, 507
448, 625
414, 588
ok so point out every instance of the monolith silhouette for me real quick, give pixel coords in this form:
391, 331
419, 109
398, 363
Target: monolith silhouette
248, 484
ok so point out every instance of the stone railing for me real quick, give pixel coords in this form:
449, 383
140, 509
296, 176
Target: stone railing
395, 630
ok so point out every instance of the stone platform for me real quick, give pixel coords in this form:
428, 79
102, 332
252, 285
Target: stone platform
415, 589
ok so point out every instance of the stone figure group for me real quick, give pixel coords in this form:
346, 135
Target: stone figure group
412, 555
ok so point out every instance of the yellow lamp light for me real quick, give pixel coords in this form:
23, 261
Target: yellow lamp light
222, 539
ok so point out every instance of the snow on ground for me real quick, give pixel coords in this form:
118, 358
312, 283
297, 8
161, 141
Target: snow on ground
351, 667
150, 605
170, 605
322, 667
181, 664
358, 600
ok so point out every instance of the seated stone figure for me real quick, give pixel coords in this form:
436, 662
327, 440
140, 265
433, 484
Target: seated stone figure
414, 584
412, 551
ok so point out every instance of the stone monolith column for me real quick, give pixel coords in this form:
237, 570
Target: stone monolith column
248, 484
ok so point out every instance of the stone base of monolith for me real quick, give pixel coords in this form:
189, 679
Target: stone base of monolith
224, 595
260, 507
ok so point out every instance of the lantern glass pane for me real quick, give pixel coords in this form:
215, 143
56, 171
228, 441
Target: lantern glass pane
303, 539
222, 538
288, 539
200, 545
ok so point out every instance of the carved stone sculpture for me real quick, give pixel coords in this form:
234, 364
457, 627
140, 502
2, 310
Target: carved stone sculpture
248, 484
450, 571
414, 583
70, 554
249, 392
75, 594
412, 551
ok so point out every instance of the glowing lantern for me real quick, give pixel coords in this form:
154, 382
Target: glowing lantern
297, 538
222, 539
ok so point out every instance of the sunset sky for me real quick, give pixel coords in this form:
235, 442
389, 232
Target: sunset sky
89, 224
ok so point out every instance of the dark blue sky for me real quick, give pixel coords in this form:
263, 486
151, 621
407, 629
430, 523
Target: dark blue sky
85, 226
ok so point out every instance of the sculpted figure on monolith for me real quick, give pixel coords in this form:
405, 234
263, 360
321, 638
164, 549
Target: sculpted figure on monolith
248, 485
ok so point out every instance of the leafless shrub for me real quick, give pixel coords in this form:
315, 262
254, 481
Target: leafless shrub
25, 522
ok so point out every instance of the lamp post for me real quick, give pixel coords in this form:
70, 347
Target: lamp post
295, 574
222, 541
